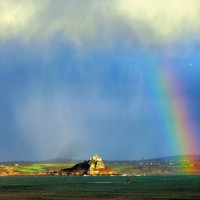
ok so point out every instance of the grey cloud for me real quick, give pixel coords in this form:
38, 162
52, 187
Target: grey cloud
89, 23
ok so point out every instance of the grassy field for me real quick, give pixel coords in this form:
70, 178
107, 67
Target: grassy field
158, 167
17, 169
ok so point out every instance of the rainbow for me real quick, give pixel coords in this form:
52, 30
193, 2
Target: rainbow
181, 118
179, 129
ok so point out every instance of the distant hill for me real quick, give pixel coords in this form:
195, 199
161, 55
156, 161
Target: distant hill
72, 161
176, 158
54, 160
181, 164
61, 160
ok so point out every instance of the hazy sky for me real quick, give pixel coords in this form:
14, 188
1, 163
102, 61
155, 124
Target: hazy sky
79, 77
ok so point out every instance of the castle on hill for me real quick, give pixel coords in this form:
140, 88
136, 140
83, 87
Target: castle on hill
96, 158
94, 166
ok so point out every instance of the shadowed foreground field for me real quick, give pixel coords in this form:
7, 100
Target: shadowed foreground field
114, 187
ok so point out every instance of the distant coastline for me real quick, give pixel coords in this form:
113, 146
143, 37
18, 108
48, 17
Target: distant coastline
158, 166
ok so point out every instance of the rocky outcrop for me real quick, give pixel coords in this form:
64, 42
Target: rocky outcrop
94, 166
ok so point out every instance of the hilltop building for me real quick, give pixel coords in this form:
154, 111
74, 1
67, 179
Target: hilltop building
94, 166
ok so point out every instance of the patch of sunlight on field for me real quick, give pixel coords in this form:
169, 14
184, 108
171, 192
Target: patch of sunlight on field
28, 168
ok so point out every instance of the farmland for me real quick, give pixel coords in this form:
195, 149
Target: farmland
142, 167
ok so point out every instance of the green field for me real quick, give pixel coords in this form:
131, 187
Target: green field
35, 168
42, 167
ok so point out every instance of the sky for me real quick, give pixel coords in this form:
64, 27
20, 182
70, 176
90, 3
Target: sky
112, 77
